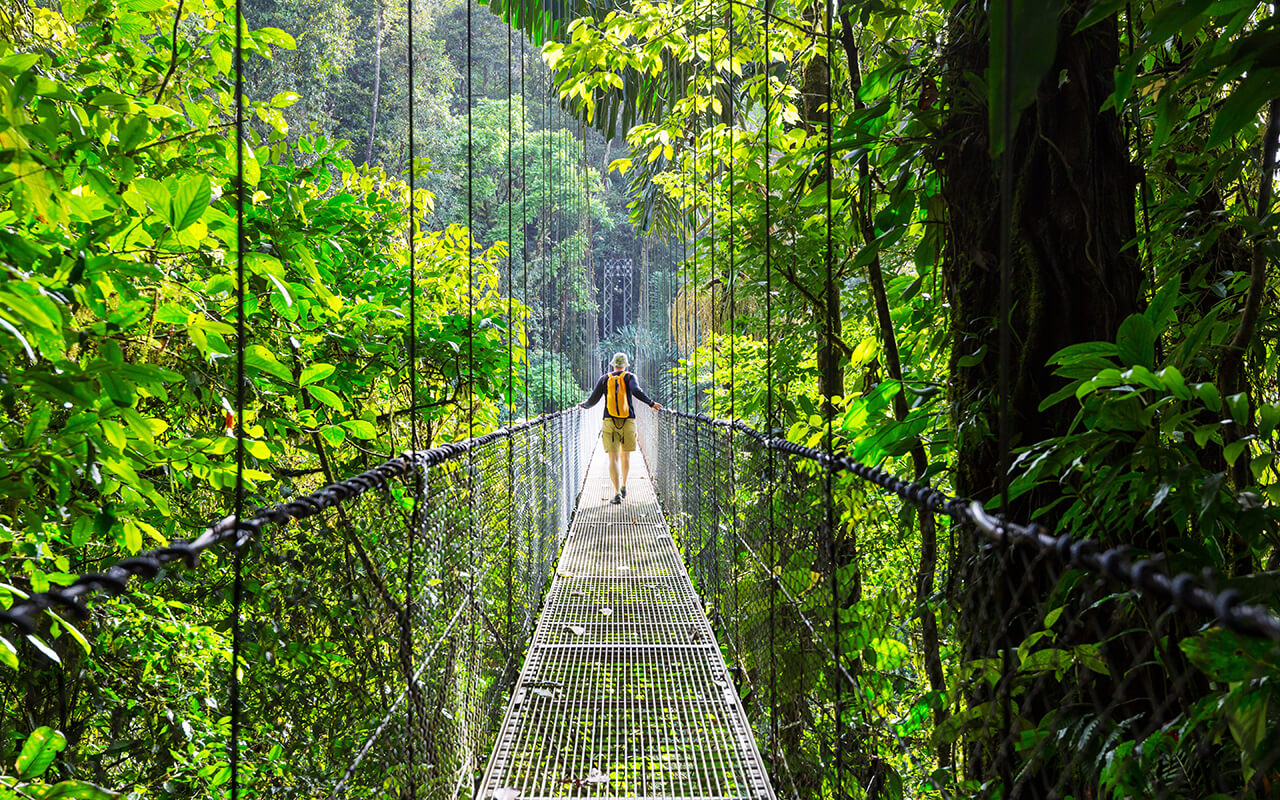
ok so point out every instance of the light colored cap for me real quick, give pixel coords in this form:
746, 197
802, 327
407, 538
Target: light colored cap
620, 360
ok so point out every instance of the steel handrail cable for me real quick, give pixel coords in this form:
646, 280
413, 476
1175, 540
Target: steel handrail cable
114, 580
1183, 589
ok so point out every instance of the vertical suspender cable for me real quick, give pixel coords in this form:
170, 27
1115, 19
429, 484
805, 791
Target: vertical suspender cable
237, 591
471, 361
1006, 217
829, 405
1006, 343
730, 25
407, 614
770, 422
511, 363
524, 222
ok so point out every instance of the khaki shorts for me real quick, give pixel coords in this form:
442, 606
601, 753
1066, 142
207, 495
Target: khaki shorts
618, 434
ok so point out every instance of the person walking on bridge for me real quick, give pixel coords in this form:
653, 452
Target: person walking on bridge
619, 388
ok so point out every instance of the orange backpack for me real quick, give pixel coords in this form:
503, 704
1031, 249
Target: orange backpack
615, 396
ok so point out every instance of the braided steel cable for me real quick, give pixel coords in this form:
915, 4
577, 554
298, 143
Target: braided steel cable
1182, 590
114, 581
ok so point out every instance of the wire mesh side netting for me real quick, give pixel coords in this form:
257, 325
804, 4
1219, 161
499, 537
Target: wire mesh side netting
1015, 676
379, 636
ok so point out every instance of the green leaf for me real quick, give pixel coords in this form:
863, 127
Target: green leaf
1161, 311
1268, 418
1034, 26
1208, 394
277, 37
972, 359
361, 429
912, 289
16, 63
45, 649
77, 790
8, 653
1232, 451
74, 633
1230, 657
190, 201
1057, 397
1084, 351
1099, 11
1238, 405
328, 398
315, 372
1244, 104
1136, 341
39, 751
155, 194
1174, 382
261, 358
115, 434
334, 435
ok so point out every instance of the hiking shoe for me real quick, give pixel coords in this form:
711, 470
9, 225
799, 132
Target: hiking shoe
623, 491
617, 499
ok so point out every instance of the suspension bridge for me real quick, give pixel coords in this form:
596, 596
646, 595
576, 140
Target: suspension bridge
474, 619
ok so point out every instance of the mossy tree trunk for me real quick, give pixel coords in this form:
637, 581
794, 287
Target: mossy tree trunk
1073, 279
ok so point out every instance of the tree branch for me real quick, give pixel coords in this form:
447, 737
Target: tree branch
173, 52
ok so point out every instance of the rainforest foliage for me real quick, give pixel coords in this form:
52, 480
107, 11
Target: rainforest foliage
819, 198
119, 244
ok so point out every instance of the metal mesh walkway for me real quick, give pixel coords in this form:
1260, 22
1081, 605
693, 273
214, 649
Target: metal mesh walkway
624, 692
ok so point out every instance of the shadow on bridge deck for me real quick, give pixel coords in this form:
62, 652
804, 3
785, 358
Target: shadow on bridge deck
624, 692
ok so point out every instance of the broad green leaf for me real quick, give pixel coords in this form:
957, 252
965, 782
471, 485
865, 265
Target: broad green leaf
1268, 418
39, 751
8, 653
1244, 104
115, 433
155, 194
315, 372
334, 435
46, 650
261, 358
277, 37
74, 633
1208, 394
361, 429
1136, 341
190, 201
1233, 450
1161, 311
1230, 657
328, 398
1238, 405
1174, 382
15, 63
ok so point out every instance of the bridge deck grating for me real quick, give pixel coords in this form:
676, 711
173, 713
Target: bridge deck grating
623, 674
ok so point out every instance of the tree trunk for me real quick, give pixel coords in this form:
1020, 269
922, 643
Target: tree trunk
1072, 280
377, 82
814, 101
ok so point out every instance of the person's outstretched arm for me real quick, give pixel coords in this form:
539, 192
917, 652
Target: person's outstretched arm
639, 394
596, 394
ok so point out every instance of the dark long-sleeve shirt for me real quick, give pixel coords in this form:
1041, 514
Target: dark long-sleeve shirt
633, 393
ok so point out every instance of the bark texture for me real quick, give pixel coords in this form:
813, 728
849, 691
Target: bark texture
1072, 280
